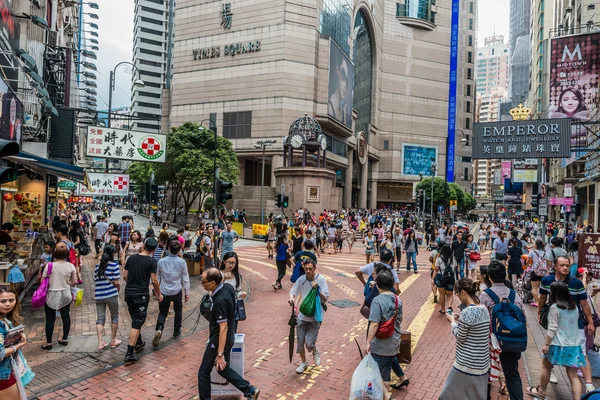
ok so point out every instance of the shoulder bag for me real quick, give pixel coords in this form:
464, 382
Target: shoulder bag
386, 329
39, 296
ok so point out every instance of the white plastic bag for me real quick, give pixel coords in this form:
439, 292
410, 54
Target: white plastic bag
366, 381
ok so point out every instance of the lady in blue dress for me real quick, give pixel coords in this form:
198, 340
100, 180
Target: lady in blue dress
370, 242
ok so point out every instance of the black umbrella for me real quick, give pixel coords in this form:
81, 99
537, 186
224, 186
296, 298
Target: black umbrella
292, 323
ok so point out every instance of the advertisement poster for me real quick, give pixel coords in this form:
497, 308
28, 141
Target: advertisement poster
506, 169
25, 210
513, 192
525, 170
341, 85
9, 40
418, 160
101, 184
11, 114
574, 65
589, 258
123, 144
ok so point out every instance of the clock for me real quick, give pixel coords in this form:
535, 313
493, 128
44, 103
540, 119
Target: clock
297, 140
322, 142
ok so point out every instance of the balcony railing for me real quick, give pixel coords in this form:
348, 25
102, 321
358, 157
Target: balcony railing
420, 14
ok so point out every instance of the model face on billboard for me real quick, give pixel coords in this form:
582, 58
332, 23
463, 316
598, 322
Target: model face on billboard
571, 102
343, 79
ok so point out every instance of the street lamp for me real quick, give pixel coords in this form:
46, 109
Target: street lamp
433, 169
213, 126
263, 144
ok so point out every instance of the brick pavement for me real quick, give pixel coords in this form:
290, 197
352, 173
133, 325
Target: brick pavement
170, 372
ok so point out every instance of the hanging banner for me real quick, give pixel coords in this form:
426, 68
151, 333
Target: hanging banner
123, 144
452, 93
568, 192
588, 254
101, 184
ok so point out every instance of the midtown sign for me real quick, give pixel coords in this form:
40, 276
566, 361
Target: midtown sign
550, 138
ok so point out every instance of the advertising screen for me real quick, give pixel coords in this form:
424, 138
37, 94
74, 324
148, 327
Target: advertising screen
341, 86
417, 160
513, 192
574, 65
11, 114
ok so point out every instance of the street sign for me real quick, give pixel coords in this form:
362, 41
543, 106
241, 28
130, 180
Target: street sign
440, 209
543, 207
453, 205
69, 185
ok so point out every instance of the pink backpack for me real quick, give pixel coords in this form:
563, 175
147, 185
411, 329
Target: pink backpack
39, 296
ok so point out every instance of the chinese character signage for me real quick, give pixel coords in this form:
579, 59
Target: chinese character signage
101, 184
589, 244
542, 138
574, 67
123, 144
568, 192
80, 199
452, 92
226, 16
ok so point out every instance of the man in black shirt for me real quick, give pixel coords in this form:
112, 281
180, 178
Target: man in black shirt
458, 251
140, 269
221, 338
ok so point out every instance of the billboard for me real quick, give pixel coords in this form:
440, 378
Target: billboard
541, 138
123, 144
574, 84
418, 160
513, 192
101, 184
525, 170
9, 40
11, 114
341, 86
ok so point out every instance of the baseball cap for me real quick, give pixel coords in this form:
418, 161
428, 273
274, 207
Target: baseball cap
386, 255
150, 244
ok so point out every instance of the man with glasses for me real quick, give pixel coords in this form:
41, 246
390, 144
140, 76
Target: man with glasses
221, 338
308, 327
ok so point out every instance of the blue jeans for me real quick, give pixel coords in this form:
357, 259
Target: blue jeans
386, 365
461, 265
411, 255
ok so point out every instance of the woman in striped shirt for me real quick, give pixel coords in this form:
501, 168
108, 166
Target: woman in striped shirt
468, 377
106, 278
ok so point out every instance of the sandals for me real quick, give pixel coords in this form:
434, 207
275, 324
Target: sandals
47, 346
535, 392
503, 389
117, 344
400, 385
104, 346
63, 342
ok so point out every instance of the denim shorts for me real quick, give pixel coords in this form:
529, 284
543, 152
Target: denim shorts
385, 366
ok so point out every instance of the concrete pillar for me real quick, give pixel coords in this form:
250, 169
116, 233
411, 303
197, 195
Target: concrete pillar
276, 162
347, 201
364, 179
373, 195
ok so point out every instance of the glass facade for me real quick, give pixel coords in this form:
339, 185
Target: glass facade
335, 21
363, 73
420, 9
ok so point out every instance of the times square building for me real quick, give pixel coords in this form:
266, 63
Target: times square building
375, 70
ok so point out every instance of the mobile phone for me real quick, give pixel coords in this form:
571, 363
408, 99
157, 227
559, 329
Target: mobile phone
449, 311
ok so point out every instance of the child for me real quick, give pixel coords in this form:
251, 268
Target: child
46, 257
563, 344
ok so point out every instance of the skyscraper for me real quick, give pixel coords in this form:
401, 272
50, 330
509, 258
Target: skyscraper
151, 37
519, 50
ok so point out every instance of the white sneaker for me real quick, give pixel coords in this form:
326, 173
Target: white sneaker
317, 357
553, 377
589, 387
301, 368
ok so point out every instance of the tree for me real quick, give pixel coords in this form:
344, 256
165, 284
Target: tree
139, 173
443, 192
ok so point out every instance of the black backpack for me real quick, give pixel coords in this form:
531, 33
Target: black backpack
448, 274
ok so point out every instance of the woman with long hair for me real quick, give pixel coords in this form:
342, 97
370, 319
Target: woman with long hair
10, 318
468, 377
132, 247
411, 248
106, 291
77, 237
500, 248
515, 265
281, 247
536, 263
370, 243
444, 278
230, 268
62, 276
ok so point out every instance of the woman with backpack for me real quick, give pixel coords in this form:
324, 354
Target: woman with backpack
563, 343
468, 377
106, 278
444, 278
536, 261
515, 266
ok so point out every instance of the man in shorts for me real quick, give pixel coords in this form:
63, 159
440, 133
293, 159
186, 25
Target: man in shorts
307, 329
140, 269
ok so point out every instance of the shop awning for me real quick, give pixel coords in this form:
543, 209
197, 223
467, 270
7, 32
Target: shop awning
44, 165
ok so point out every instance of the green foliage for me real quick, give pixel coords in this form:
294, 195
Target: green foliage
139, 173
444, 192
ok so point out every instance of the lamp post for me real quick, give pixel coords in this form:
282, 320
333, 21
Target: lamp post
213, 126
263, 144
433, 169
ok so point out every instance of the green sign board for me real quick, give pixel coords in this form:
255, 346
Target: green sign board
69, 185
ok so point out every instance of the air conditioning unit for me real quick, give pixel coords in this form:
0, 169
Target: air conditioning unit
52, 40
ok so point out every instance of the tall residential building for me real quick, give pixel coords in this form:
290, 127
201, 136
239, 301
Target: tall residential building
150, 54
492, 89
542, 22
519, 51
254, 67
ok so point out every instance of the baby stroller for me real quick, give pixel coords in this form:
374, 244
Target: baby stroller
524, 287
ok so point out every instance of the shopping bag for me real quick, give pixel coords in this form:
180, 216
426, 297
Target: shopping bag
77, 294
318, 309
309, 304
404, 355
366, 381
39, 296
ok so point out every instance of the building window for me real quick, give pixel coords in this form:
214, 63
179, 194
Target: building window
152, 31
336, 22
469, 73
420, 9
468, 106
152, 21
466, 175
470, 40
470, 24
468, 90
237, 125
470, 57
386, 144
151, 52
471, 7
467, 123
152, 10
336, 146
154, 42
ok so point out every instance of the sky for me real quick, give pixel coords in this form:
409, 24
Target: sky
116, 41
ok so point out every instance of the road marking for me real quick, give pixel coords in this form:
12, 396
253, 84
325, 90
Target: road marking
253, 272
419, 323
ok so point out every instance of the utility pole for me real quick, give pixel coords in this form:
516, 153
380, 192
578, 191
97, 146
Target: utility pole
433, 167
263, 144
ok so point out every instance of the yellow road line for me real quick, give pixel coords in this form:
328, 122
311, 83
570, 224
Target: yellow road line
419, 323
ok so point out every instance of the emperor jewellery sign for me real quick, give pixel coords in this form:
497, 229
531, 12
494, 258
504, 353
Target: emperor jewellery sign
227, 50
542, 138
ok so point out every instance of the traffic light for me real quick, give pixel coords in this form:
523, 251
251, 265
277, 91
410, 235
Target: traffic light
419, 198
147, 191
8, 148
534, 201
285, 201
222, 188
154, 193
278, 200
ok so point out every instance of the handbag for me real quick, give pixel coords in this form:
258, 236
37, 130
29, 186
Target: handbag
309, 303
475, 256
240, 310
404, 355
544, 315
595, 317
39, 296
386, 329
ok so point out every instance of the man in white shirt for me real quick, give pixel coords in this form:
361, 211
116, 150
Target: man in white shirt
387, 258
494, 232
101, 228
